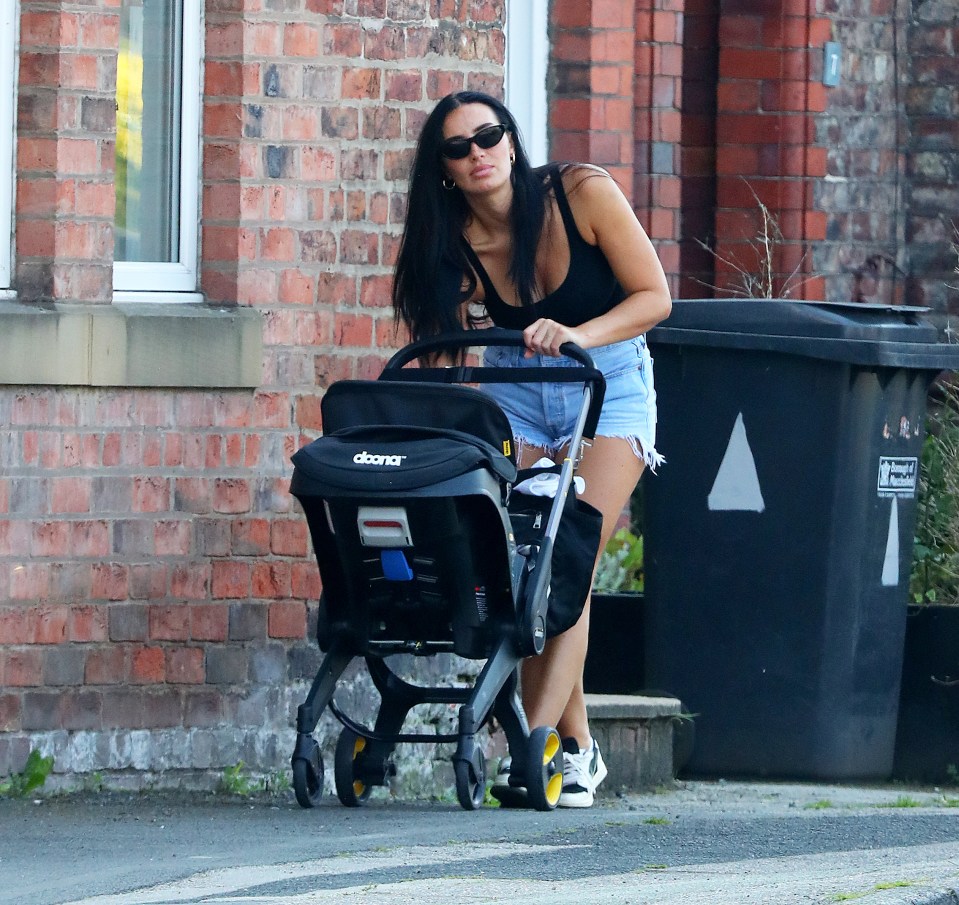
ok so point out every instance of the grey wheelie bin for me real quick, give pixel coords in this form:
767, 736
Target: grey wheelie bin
779, 532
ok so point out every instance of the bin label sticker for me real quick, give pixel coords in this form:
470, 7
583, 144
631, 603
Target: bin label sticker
890, 563
736, 488
898, 476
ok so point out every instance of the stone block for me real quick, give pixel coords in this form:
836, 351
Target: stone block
635, 735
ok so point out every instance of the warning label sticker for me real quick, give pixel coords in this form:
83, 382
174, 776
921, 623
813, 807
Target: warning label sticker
898, 476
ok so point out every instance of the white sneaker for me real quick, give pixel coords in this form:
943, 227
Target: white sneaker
583, 771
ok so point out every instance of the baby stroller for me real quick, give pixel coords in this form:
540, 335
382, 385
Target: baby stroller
424, 545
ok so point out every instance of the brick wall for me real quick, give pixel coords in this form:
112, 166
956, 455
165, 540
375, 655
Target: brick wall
767, 154
592, 53
659, 101
931, 104
156, 584
864, 128
65, 128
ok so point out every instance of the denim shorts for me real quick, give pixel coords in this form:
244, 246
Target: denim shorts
544, 414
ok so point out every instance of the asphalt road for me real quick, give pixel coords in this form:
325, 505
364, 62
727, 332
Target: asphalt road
702, 842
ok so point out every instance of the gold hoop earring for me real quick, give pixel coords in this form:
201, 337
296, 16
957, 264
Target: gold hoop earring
512, 159
448, 184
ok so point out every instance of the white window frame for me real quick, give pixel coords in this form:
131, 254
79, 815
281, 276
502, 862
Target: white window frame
135, 281
527, 57
9, 22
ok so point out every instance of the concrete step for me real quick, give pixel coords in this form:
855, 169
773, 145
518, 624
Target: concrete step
635, 736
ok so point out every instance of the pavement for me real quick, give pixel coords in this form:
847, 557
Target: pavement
694, 843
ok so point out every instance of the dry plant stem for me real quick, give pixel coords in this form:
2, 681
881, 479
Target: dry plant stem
762, 284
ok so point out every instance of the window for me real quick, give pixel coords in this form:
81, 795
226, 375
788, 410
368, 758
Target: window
157, 150
527, 52
8, 31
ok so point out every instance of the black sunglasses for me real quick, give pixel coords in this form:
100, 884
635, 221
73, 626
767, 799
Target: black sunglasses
458, 148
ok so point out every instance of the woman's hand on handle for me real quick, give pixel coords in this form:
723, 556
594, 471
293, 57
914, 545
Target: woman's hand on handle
545, 336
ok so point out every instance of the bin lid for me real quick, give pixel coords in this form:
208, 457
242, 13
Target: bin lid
866, 334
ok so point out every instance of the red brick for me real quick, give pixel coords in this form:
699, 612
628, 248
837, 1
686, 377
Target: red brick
9, 712
106, 665
185, 665
297, 287
49, 624
191, 582
306, 581
70, 495
147, 666
233, 453
110, 581
301, 40
251, 537
30, 581
151, 494
231, 580
209, 622
22, 667
251, 451
148, 582
50, 539
271, 580
87, 623
289, 538
172, 538
287, 619
232, 495
14, 626
169, 622
81, 709
193, 495
90, 539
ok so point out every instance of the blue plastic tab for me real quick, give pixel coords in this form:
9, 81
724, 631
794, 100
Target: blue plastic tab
395, 566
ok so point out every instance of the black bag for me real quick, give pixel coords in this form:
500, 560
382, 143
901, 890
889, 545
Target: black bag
574, 552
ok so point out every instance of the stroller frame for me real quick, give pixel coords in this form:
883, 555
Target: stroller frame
512, 631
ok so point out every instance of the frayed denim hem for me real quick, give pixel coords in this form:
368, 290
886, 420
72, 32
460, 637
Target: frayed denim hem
641, 449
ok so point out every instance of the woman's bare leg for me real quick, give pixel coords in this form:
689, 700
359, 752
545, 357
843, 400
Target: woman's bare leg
552, 683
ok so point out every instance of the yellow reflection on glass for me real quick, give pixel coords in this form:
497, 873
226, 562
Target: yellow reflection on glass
148, 131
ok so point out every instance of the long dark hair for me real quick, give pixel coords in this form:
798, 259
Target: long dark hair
432, 266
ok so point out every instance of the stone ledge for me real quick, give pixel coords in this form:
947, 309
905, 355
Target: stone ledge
635, 735
130, 345
630, 706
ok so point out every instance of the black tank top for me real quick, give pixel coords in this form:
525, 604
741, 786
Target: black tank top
589, 289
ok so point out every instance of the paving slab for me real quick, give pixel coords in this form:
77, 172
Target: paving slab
695, 843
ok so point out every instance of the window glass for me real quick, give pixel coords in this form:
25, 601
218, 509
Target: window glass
148, 131
157, 150
527, 52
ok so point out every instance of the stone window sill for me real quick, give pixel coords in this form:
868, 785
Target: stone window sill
130, 345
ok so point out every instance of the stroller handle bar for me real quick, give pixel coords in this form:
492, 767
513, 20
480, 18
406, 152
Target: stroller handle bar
585, 372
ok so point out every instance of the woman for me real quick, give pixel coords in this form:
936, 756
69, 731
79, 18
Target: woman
558, 253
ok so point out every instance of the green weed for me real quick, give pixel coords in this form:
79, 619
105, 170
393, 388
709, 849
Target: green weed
236, 781
903, 801
33, 775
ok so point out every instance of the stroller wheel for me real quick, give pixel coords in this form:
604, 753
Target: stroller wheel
470, 783
308, 776
350, 788
544, 768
